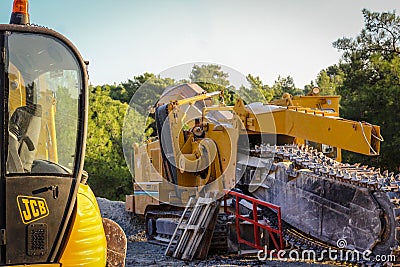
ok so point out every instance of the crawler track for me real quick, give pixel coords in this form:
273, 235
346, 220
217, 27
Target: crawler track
305, 163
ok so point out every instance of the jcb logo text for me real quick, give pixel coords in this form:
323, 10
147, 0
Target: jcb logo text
32, 208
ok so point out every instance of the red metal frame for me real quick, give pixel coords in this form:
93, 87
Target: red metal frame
256, 224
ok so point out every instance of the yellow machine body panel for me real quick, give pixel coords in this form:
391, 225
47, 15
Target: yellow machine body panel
16, 82
47, 147
87, 229
313, 102
317, 126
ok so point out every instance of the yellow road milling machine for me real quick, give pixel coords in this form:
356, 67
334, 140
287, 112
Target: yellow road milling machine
286, 152
49, 215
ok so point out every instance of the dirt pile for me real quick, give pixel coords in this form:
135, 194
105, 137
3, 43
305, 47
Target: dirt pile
132, 224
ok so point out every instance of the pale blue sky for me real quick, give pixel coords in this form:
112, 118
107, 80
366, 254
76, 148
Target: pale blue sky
125, 38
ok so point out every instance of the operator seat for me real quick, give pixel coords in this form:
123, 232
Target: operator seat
24, 130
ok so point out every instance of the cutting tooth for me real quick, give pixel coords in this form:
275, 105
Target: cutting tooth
304, 247
373, 178
314, 153
339, 174
332, 172
395, 201
354, 178
394, 187
305, 164
299, 160
291, 242
346, 175
364, 167
385, 182
378, 176
365, 180
311, 166
372, 184
291, 170
286, 155
331, 162
324, 169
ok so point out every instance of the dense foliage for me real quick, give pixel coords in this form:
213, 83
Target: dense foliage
108, 174
367, 78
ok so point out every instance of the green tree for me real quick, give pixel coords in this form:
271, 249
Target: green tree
66, 117
329, 80
212, 78
139, 122
108, 173
257, 84
371, 87
124, 91
285, 85
381, 34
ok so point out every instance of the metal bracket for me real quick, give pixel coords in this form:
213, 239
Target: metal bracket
3, 237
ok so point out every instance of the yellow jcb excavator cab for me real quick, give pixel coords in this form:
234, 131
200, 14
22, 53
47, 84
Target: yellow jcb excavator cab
48, 214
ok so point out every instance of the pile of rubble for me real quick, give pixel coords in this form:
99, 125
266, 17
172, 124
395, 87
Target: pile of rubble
132, 225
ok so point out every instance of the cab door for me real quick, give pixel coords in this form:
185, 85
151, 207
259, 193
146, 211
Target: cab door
43, 130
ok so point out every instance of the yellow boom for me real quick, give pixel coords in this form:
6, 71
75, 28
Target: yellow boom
319, 126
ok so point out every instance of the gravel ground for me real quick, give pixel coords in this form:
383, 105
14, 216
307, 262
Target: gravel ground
142, 253
115, 210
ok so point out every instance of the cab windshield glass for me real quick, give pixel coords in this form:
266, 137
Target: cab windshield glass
44, 88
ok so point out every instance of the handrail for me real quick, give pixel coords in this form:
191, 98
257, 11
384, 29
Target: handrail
256, 224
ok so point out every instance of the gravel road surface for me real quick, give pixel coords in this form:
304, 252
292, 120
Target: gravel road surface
142, 253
